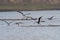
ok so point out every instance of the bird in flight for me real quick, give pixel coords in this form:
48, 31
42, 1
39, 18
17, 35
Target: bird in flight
50, 18
27, 17
21, 13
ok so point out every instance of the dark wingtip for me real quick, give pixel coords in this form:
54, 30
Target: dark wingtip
17, 11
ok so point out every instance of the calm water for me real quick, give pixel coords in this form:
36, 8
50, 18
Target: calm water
31, 33
35, 14
14, 14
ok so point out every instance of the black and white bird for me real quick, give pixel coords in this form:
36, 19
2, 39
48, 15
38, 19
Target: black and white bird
21, 13
50, 18
8, 23
27, 17
39, 20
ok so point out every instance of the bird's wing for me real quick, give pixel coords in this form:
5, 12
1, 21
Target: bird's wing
21, 13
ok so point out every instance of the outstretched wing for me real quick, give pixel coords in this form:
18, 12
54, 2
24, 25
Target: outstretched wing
21, 13
52, 16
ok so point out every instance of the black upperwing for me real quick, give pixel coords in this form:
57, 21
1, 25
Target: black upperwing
21, 13
50, 18
39, 20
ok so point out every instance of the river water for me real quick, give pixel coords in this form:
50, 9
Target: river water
35, 14
31, 33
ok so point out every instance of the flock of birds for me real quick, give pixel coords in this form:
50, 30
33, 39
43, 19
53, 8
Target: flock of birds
28, 17
39, 18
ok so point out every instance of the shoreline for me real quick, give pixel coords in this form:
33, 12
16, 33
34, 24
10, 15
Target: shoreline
4, 10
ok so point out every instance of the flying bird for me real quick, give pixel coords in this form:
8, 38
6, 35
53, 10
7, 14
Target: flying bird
39, 20
27, 17
50, 18
8, 23
21, 13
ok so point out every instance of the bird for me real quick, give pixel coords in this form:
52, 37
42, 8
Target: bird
27, 17
8, 23
21, 13
50, 18
39, 20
